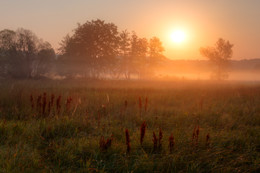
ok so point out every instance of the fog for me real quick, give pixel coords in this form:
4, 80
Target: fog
99, 50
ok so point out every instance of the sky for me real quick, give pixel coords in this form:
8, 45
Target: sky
203, 21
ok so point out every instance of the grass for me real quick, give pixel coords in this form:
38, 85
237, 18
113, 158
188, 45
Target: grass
70, 141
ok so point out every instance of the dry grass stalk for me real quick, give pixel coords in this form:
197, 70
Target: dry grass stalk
68, 103
160, 138
195, 135
52, 100
126, 104
142, 130
58, 104
171, 143
127, 139
39, 103
49, 108
105, 144
32, 101
155, 141
207, 140
44, 102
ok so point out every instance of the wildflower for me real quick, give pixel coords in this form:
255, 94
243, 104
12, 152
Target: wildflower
160, 138
127, 139
31, 99
142, 129
154, 141
44, 102
171, 143
58, 104
207, 140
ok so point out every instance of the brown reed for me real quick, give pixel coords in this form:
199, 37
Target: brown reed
44, 102
155, 141
198, 131
160, 138
126, 104
142, 130
171, 143
207, 140
49, 108
68, 103
105, 144
127, 139
102, 143
195, 135
39, 103
32, 101
58, 104
52, 100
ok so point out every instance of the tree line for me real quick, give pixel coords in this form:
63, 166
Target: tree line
96, 49
23, 54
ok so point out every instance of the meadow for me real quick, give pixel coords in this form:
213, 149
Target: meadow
129, 126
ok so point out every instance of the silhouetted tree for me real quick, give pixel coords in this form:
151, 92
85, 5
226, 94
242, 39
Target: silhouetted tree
7, 50
155, 53
19, 51
219, 55
70, 62
124, 53
94, 44
138, 53
26, 47
45, 57
97, 48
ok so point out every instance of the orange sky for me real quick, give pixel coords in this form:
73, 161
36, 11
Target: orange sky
203, 20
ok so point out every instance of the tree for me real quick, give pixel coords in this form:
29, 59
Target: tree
21, 52
26, 48
219, 55
7, 49
155, 53
138, 53
124, 53
45, 57
97, 48
95, 44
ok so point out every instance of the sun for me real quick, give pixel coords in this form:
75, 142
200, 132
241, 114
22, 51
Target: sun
178, 36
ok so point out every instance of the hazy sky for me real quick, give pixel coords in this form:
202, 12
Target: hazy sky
204, 21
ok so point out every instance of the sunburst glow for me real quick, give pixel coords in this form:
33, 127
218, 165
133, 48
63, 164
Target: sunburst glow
178, 36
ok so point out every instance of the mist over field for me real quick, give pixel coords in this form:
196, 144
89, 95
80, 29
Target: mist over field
238, 70
130, 86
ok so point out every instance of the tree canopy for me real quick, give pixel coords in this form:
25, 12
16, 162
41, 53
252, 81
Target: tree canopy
101, 49
22, 53
219, 55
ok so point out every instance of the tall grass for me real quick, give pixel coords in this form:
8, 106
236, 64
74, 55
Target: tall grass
73, 132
